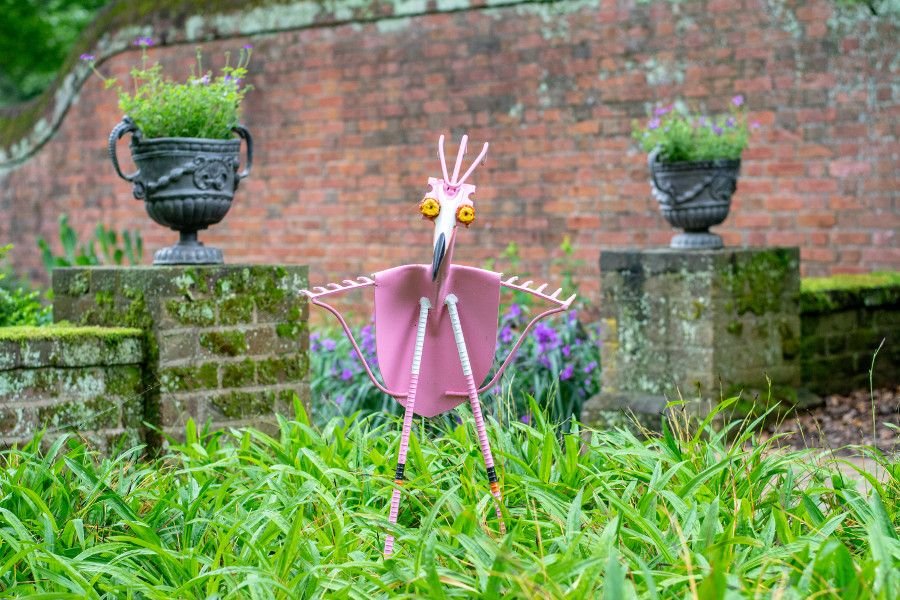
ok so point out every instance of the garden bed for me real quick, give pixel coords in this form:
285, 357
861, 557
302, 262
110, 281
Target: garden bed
303, 514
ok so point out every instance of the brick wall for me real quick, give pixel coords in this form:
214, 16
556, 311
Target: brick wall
346, 118
86, 379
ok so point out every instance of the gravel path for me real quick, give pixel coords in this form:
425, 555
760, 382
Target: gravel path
846, 420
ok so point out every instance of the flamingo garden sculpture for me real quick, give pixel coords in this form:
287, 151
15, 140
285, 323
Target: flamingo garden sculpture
426, 352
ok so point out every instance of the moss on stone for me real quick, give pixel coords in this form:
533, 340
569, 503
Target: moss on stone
241, 374
235, 405
93, 413
756, 284
179, 379
233, 311
67, 332
735, 328
226, 343
201, 312
830, 294
280, 370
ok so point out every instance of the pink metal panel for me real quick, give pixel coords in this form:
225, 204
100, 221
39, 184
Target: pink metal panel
397, 294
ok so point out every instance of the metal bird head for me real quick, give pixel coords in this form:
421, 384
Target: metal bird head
449, 203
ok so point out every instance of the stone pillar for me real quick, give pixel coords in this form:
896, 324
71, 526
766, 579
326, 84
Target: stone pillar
225, 344
702, 325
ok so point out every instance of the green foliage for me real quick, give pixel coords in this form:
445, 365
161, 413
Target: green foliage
205, 106
682, 136
85, 253
302, 513
35, 37
20, 305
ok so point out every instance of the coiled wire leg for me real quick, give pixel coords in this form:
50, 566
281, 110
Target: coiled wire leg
424, 305
472, 389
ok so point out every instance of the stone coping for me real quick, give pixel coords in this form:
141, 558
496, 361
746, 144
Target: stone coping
68, 346
841, 292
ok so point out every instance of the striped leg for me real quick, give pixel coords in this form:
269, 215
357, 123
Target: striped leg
424, 305
451, 301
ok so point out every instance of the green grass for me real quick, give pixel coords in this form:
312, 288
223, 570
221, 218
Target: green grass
302, 514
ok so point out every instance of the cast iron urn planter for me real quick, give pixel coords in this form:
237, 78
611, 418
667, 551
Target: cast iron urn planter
694, 195
187, 184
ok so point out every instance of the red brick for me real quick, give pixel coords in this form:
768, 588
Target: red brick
346, 122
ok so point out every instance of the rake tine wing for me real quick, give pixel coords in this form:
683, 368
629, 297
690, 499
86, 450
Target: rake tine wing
539, 291
335, 288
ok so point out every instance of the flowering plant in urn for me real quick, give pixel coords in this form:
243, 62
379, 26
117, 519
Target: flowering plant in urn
183, 143
694, 163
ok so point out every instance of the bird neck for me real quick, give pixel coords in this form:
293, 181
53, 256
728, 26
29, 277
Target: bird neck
440, 284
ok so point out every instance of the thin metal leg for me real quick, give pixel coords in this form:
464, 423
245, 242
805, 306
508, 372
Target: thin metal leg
424, 305
451, 301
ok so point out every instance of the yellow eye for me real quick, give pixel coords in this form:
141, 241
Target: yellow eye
465, 214
430, 207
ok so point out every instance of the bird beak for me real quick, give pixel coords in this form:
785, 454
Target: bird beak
440, 247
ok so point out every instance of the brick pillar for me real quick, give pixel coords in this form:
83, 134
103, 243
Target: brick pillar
224, 343
702, 325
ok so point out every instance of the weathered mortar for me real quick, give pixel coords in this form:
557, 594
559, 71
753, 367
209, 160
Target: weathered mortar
225, 343
698, 325
85, 379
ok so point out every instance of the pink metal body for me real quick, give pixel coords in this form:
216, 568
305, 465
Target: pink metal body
397, 293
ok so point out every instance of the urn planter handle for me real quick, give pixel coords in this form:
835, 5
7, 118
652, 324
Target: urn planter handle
245, 135
125, 126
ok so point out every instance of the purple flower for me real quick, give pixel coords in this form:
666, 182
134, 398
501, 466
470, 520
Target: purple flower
143, 42
545, 362
566, 350
663, 110
514, 312
702, 121
653, 124
572, 317
87, 57
346, 374
738, 100
717, 129
590, 366
339, 399
730, 122
525, 419
546, 337
201, 80
755, 125
248, 46
566, 373
329, 344
506, 334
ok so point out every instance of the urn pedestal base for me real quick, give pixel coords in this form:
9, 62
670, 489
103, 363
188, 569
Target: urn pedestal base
698, 325
188, 251
693, 240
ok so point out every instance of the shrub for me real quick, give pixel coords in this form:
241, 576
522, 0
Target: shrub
19, 304
77, 253
205, 106
682, 136
302, 513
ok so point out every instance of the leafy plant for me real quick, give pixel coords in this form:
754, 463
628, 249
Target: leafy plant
19, 305
205, 106
682, 136
77, 253
697, 512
